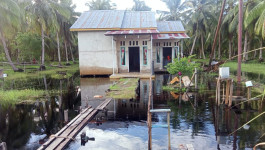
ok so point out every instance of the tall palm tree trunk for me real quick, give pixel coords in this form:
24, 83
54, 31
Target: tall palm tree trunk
194, 41
203, 55
240, 26
66, 53
230, 42
42, 66
245, 47
219, 47
7, 52
72, 55
58, 47
260, 51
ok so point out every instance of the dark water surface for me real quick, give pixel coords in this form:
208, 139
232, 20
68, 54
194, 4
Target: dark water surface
195, 120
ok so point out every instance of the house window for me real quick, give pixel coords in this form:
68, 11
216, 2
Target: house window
123, 56
158, 55
169, 43
136, 42
144, 42
145, 55
133, 42
122, 43
130, 43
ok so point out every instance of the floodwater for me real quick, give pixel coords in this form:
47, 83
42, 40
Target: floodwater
194, 117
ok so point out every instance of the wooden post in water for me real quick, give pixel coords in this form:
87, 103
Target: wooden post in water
231, 93
149, 117
227, 91
3, 146
168, 126
66, 115
196, 78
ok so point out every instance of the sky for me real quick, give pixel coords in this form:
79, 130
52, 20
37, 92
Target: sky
123, 4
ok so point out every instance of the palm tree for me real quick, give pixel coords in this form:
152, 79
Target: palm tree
42, 14
257, 14
10, 18
176, 10
140, 6
101, 5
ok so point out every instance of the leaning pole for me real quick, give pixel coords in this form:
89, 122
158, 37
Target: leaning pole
240, 22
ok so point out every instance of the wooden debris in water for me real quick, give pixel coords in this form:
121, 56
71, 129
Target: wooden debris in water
186, 81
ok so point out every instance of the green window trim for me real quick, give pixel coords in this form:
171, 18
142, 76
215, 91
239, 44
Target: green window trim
123, 56
145, 55
158, 55
176, 51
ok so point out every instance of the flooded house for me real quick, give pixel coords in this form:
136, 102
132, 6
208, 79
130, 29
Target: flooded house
126, 42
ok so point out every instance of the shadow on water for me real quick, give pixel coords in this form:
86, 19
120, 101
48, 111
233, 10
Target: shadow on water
26, 126
195, 119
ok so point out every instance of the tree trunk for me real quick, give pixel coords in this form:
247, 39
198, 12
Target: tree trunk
66, 53
217, 31
58, 47
202, 42
245, 47
42, 66
260, 51
191, 51
248, 48
230, 47
7, 52
219, 48
18, 56
72, 55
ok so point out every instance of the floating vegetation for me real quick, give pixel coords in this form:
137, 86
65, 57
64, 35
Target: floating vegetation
123, 89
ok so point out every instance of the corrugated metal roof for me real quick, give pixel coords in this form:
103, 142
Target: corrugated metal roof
170, 26
139, 19
115, 19
134, 32
99, 19
170, 36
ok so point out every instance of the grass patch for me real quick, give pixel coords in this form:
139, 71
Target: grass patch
17, 96
54, 72
247, 67
123, 89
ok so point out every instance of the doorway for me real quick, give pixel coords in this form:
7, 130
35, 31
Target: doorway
167, 56
134, 59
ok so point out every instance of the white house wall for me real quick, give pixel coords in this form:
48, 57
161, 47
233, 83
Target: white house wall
95, 53
140, 39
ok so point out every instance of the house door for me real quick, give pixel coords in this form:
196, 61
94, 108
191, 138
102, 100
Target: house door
134, 59
167, 56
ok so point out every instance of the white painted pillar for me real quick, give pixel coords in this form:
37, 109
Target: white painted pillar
181, 47
151, 57
113, 53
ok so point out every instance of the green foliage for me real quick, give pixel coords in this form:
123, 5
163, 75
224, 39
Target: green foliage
29, 45
177, 90
183, 65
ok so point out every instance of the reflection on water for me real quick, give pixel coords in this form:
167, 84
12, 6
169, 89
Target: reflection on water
26, 126
195, 119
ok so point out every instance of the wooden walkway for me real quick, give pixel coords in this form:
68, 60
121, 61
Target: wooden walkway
62, 138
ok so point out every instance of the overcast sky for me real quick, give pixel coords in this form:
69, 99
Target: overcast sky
123, 4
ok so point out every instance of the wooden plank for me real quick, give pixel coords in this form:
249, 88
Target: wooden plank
159, 110
77, 130
73, 128
57, 141
47, 143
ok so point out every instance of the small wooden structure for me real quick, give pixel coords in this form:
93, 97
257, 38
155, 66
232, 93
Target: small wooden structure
228, 91
62, 138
